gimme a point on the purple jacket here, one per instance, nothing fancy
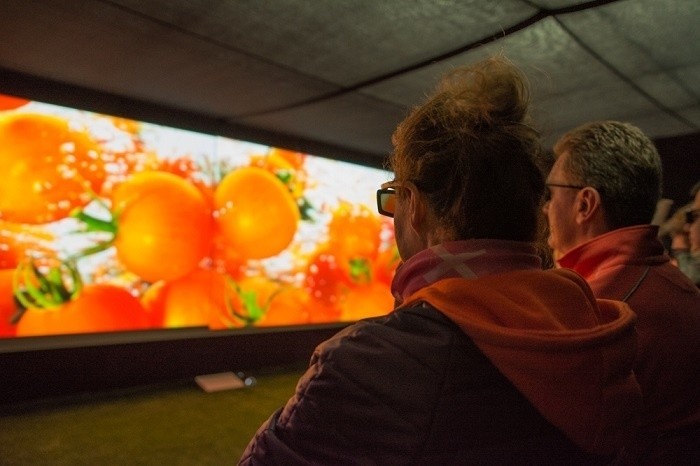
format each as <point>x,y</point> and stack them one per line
<point>630,264</point>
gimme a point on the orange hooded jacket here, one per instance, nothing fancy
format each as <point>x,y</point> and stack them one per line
<point>569,354</point>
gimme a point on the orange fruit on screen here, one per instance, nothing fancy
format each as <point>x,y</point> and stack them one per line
<point>98,308</point>
<point>189,301</point>
<point>286,165</point>
<point>164,225</point>
<point>9,255</point>
<point>255,212</point>
<point>271,162</point>
<point>354,233</point>
<point>384,267</point>
<point>326,282</point>
<point>370,300</point>
<point>126,124</point>
<point>8,308</point>
<point>325,279</point>
<point>18,240</point>
<point>9,102</point>
<point>225,259</point>
<point>262,301</point>
<point>247,299</point>
<point>289,306</point>
<point>294,159</point>
<point>49,168</point>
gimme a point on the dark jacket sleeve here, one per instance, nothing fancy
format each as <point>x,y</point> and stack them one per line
<point>268,448</point>
<point>358,403</point>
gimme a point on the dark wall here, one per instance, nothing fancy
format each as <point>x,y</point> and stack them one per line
<point>49,373</point>
<point>681,163</point>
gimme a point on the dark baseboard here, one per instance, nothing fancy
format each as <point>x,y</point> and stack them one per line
<point>29,375</point>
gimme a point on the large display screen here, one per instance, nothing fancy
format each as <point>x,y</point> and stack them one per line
<point>111,225</point>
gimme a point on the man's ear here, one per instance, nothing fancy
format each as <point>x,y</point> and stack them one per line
<point>588,204</point>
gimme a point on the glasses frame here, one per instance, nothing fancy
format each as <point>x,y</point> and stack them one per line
<point>548,193</point>
<point>691,216</point>
<point>386,189</point>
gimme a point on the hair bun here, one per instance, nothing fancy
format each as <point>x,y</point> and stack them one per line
<point>491,93</point>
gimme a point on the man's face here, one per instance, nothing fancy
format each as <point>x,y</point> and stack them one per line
<point>694,228</point>
<point>560,209</point>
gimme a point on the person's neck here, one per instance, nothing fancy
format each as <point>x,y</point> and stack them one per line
<point>592,228</point>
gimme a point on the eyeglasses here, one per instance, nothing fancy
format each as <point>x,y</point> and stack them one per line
<point>691,216</point>
<point>548,192</point>
<point>386,198</point>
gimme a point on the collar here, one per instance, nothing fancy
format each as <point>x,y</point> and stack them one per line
<point>635,245</point>
<point>462,259</point>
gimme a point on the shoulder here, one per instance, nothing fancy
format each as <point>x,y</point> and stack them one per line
<point>651,282</point>
<point>421,321</point>
<point>400,361</point>
<point>415,336</point>
<point>675,277</point>
<point>668,294</point>
<point>376,376</point>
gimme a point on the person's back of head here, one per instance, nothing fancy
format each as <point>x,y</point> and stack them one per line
<point>471,151</point>
<point>621,163</point>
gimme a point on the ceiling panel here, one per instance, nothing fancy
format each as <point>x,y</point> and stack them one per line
<point>641,35</point>
<point>343,42</point>
<point>663,124</point>
<point>341,75</point>
<point>551,60</point>
<point>691,114</point>
<point>351,120</point>
<point>557,4</point>
<point>652,45</point>
<point>99,46</point>
<point>612,101</point>
<point>689,76</point>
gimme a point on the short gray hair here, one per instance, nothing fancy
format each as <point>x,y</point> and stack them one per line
<point>622,163</point>
<point>694,190</point>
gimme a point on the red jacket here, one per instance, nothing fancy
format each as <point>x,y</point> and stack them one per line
<point>630,265</point>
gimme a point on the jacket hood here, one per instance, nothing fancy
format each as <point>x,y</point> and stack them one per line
<point>570,354</point>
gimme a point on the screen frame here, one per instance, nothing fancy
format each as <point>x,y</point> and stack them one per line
<point>60,365</point>
<point>35,375</point>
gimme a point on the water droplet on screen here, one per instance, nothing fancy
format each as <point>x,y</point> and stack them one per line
<point>65,171</point>
<point>67,147</point>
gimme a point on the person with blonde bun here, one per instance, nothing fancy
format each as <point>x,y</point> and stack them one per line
<point>487,358</point>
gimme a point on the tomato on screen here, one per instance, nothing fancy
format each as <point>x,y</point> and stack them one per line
<point>167,228</point>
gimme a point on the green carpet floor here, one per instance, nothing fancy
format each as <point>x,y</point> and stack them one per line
<point>177,424</point>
